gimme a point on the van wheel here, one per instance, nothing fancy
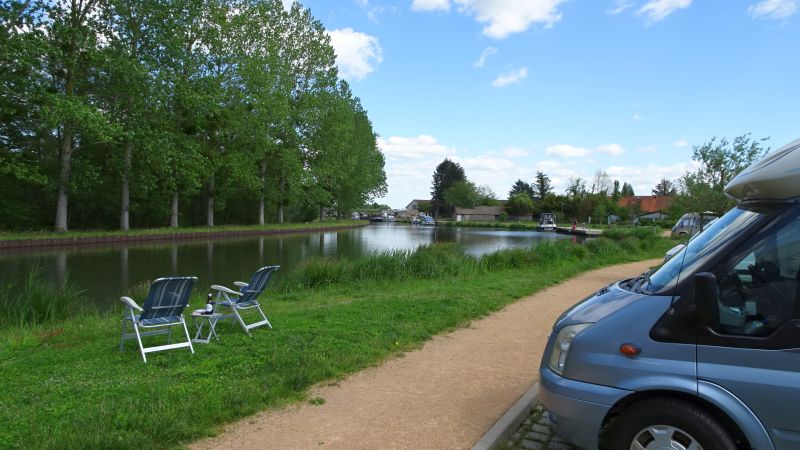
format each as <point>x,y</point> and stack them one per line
<point>666,423</point>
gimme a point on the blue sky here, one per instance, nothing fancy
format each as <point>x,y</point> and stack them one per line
<point>509,87</point>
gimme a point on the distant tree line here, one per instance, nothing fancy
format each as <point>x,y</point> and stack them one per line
<point>175,112</point>
<point>595,200</point>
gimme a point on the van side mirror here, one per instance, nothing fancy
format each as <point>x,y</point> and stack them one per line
<point>706,298</point>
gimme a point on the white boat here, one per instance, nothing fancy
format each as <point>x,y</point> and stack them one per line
<point>547,222</point>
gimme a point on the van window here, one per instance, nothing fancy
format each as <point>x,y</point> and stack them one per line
<point>698,250</point>
<point>759,285</point>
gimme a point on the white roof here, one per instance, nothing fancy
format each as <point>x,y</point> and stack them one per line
<point>773,177</point>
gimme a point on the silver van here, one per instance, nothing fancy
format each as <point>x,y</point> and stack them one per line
<point>702,353</point>
<point>691,223</point>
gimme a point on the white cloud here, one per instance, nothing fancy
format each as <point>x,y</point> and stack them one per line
<point>487,52</point>
<point>773,9</point>
<point>513,77</point>
<point>566,151</point>
<point>417,147</point>
<point>680,143</point>
<point>637,117</point>
<point>357,54</point>
<point>430,5</point>
<point>644,178</point>
<point>497,173</point>
<point>515,152</point>
<point>611,149</point>
<point>621,6</point>
<point>571,151</point>
<point>656,10</point>
<point>505,17</point>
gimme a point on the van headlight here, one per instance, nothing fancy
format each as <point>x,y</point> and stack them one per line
<point>558,355</point>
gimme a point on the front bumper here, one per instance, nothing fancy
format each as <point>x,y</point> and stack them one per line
<point>577,409</point>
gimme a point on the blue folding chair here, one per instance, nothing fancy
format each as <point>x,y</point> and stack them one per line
<point>162,310</point>
<point>246,297</point>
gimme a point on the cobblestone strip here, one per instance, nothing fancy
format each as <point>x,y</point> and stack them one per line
<point>535,433</point>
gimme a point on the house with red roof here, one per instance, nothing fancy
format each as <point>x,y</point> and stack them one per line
<point>647,207</point>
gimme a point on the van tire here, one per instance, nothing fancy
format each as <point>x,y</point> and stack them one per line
<point>690,420</point>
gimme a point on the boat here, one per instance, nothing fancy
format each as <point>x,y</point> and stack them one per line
<point>376,219</point>
<point>547,222</point>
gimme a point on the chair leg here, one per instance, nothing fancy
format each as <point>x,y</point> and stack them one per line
<point>265,317</point>
<point>241,321</point>
<point>188,339</point>
<point>139,339</point>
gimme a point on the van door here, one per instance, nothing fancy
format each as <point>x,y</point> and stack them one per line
<point>754,350</point>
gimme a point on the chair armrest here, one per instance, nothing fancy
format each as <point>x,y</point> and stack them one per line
<point>240,283</point>
<point>131,304</point>
<point>217,287</point>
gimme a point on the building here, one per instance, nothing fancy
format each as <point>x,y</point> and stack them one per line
<point>477,214</point>
<point>647,207</point>
<point>417,206</point>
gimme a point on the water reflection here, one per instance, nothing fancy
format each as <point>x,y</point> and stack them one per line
<point>106,272</point>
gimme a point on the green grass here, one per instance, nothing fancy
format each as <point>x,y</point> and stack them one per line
<point>159,231</point>
<point>66,385</point>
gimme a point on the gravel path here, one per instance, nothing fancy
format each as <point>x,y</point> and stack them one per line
<point>445,395</point>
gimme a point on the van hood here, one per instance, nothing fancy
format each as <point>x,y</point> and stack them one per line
<point>602,303</point>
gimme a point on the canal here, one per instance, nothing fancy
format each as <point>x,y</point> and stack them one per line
<point>107,272</point>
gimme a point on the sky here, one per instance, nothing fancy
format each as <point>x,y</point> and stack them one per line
<point>568,87</point>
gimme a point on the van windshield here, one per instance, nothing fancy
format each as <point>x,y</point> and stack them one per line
<point>703,246</point>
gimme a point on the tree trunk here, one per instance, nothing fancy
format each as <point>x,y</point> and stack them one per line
<point>263,188</point>
<point>63,180</point>
<point>283,195</point>
<point>210,206</point>
<point>173,214</point>
<point>321,213</point>
<point>124,216</point>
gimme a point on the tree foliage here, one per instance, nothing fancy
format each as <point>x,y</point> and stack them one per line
<point>664,188</point>
<point>143,110</point>
<point>541,186</point>
<point>446,174</point>
<point>720,161</point>
<point>521,187</point>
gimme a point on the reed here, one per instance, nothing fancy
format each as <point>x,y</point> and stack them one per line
<point>36,302</point>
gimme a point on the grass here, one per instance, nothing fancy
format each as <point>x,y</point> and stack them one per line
<point>159,231</point>
<point>66,385</point>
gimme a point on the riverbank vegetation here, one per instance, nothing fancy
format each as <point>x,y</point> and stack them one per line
<point>274,227</point>
<point>331,319</point>
<point>123,113</point>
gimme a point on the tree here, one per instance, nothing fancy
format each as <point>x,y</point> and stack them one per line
<point>541,186</point>
<point>463,194</point>
<point>521,187</point>
<point>519,204</point>
<point>446,174</point>
<point>720,161</point>
<point>485,195</point>
<point>664,188</point>
<point>615,194</point>
<point>72,31</point>
<point>627,190</point>
<point>600,183</point>
<point>576,187</point>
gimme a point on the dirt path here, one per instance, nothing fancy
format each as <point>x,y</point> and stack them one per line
<point>445,395</point>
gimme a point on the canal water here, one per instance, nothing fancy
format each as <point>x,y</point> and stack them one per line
<point>107,272</point>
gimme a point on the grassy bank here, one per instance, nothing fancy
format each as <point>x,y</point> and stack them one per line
<point>161,231</point>
<point>533,226</point>
<point>66,385</point>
